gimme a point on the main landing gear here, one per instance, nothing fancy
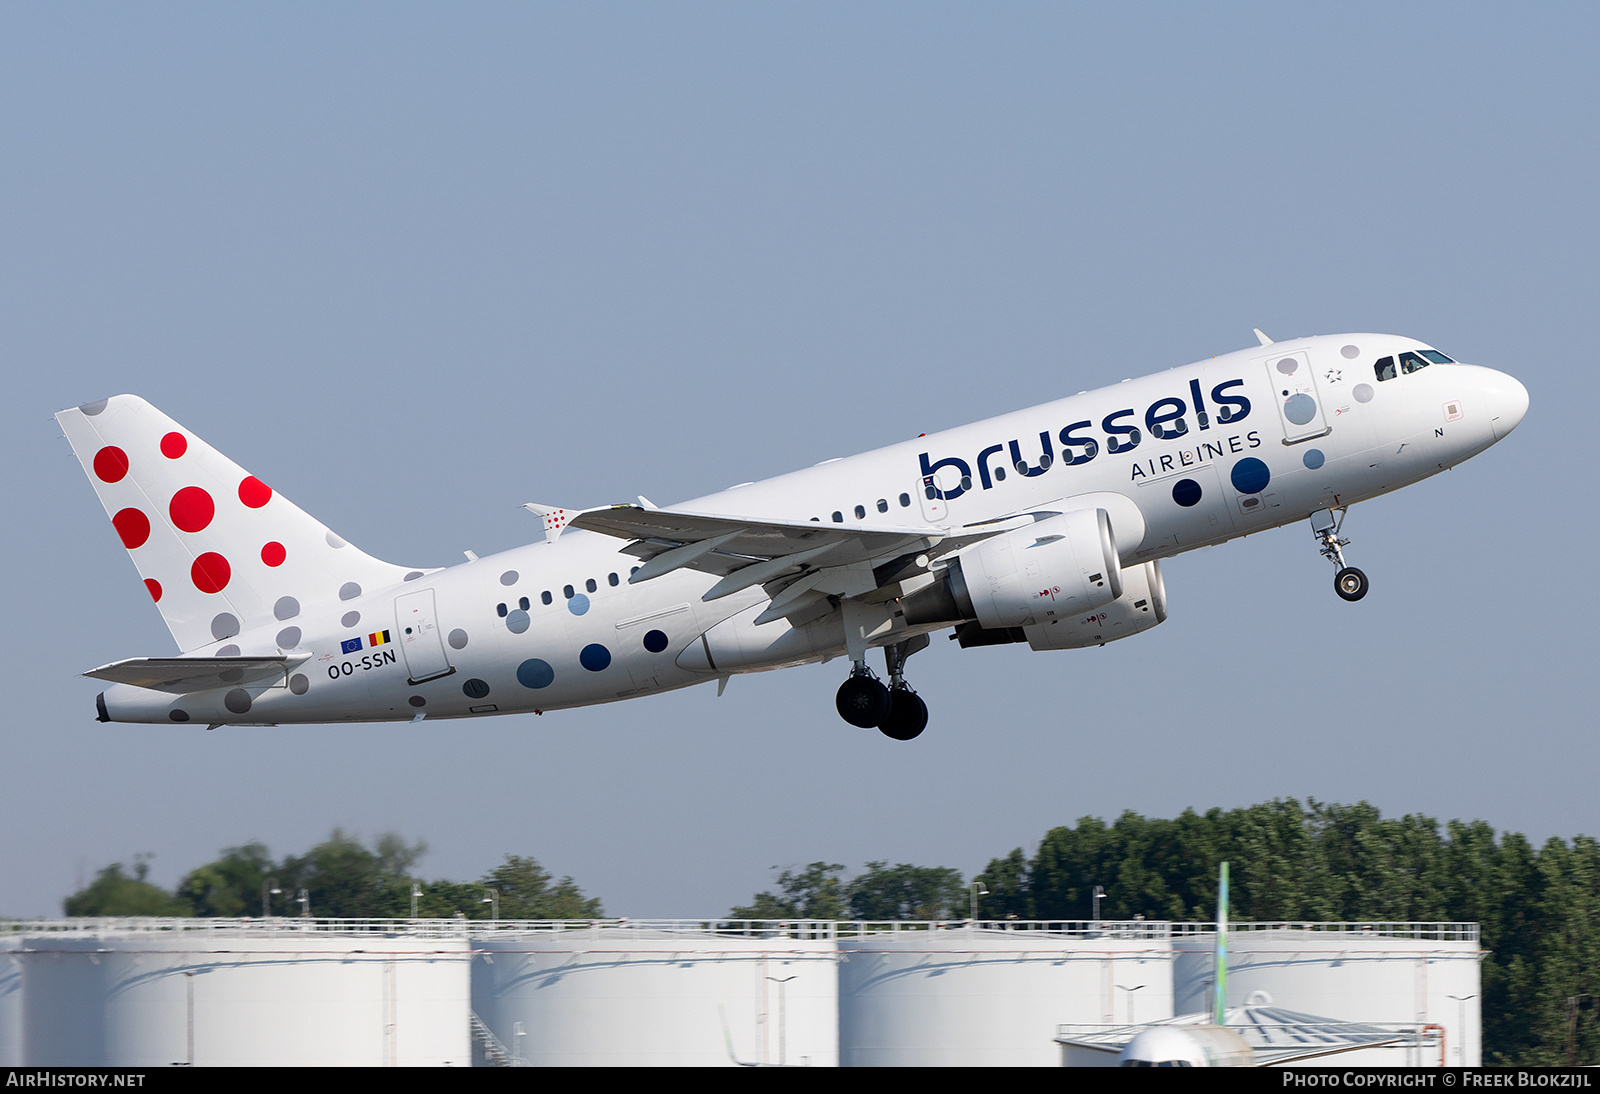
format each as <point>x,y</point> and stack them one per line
<point>896,710</point>
<point>1349,582</point>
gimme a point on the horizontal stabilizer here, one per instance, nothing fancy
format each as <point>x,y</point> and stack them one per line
<point>185,674</point>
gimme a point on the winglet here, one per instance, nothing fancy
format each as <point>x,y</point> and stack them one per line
<point>555,520</point>
<point>1265,341</point>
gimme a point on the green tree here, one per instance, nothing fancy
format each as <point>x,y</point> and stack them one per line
<point>526,893</point>
<point>231,885</point>
<point>345,880</point>
<point>813,893</point>
<point>1007,881</point>
<point>907,892</point>
<point>113,892</point>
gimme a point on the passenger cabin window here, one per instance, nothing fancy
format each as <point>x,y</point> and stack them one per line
<point>590,585</point>
<point>861,512</point>
<point>611,579</point>
<point>500,609</point>
<point>1412,362</point>
<point>905,501</point>
<point>838,517</point>
<point>523,603</point>
<point>883,505</point>
<point>546,597</point>
<point>567,591</point>
<point>1384,368</point>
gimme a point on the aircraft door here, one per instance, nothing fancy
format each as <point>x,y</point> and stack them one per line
<point>420,639</point>
<point>931,494</point>
<point>1299,405</point>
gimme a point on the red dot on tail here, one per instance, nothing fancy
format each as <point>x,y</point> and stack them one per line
<point>273,554</point>
<point>254,493</point>
<point>174,445</point>
<point>111,463</point>
<point>155,588</point>
<point>192,509</point>
<point>133,526</point>
<point>210,572</point>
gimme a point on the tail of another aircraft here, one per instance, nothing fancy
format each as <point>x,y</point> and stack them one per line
<point>220,552</point>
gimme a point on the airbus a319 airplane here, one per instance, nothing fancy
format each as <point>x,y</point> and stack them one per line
<point>1045,526</point>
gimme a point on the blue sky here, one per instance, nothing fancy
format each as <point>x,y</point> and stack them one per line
<point>414,265</point>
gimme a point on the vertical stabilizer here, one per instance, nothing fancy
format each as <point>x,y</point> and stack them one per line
<point>220,552</point>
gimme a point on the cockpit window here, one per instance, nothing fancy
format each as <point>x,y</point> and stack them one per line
<point>1436,357</point>
<point>1411,362</point>
<point>1384,368</point>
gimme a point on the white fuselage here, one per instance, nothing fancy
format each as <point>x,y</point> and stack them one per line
<point>1203,453</point>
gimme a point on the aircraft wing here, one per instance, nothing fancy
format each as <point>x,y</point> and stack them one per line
<point>742,539</point>
<point>185,674</point>
<point>800,562</point>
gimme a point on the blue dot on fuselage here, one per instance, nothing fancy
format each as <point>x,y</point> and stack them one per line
<point>578,604</point>
<point>655,641</point>
<point>1250,476</point>
<point>534,673</point>
<point>594,657</point>
<point>1186,492</point>
<point>1314,458</point>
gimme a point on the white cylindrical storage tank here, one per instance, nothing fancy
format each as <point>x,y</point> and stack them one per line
<point>10,1004</point>
<point>1415,973</point>
<point>658,994</point>
<point>983,997</point>
<point>222,993</point>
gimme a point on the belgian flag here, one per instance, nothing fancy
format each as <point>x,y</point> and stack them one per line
<point>378,638</point>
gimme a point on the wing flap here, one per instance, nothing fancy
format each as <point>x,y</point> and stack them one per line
<point>186,674</point>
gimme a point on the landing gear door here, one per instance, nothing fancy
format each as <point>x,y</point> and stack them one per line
<point>1299,405</point>
<point>420,639</point>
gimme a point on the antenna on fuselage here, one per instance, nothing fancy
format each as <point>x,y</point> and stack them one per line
<point>1265,341</point>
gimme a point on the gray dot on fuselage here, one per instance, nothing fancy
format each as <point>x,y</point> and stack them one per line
<point>412,576</point>
<point>287,607</point>
<point>1351,352</point>
<point>1362,392</point>
<point>231,676</point>
<point>333,541</point>
<point>1288,365</point>
<point>509,577</point>
<point>1300,408</point>
<point>349,590</point>
<point>350,619</point>
<point>517,621</point>
<point>288,638</point>
<point>94,408</point>
<point>237,700</point>
<point>230,650</point>
<point>225,625</point>
<point>458,639</point>
<point>299,684</point>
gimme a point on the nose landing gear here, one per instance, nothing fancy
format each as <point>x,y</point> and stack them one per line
<point>1350,583</point>
<point>896,710</point>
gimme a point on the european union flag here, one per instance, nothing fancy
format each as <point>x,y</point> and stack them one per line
<point>351,646</point>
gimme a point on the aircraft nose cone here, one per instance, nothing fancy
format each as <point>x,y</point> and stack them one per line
<point>1509,402</point>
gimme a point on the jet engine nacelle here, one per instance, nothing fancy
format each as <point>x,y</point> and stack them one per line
<point>1056,568</point>
<point>1142,605</point>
